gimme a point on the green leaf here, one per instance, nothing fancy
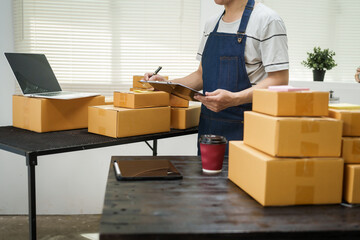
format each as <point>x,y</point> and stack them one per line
<point>320,59</point>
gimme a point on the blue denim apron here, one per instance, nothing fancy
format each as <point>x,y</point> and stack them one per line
<point>223,66</point>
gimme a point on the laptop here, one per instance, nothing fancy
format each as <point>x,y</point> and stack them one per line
<point>37,79</point>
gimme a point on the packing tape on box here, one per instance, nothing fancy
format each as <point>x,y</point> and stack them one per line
<point>300,107</point>
<point>305,168</point>
<point>310,126</point>
<point>304,193</point>
<point>309,149</point>
<point>26,111</point>
<point>122,98</point>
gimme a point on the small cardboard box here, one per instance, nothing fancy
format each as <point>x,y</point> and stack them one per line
<point>45,115</point>
<point>293,136</point>
<point>285,181</point>
<point>183,118</point>
<point>351,149</point>
<point>304,103</point>
<point>351,120</point>
<point>124,122</point>
<point>352,183</point>
<point>141,99</point>
<point>137,84</point>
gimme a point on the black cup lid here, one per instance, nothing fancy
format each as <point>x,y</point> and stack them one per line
<point>212,139</point>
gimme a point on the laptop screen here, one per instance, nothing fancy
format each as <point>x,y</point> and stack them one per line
<point>33,73</point>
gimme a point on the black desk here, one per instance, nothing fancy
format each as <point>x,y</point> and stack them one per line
<point>212,207</point>
<point>31,145</point>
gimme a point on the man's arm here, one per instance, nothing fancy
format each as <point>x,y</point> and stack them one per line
<point>221,99</point>
<point>193,80</point>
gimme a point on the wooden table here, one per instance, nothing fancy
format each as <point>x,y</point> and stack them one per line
<point>31,145</point>
<point>212,207</point>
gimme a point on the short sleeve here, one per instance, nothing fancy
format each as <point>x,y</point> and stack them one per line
<point>274,47</point>
<point>201,46</point>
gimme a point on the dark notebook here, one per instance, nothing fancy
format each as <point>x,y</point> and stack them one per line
<point>145,170</point>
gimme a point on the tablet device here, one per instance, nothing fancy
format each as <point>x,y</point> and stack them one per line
<point>176,89</point>
<point>145,170</point>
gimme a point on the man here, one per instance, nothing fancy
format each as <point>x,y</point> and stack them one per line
<point>243,49</point>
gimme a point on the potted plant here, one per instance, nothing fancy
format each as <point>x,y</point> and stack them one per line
<point>320,60</point>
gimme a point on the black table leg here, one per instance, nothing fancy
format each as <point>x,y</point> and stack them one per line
<point>154,148</point>
<point>31,162</point>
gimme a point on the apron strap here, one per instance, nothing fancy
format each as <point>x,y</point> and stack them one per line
<point>217,24</point>
<point>245,20</point>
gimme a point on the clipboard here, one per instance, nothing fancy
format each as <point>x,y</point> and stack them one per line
<point>176,89</point>
<point>135,170</point>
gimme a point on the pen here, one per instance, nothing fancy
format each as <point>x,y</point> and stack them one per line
<point>156,71</point>
<point>117,169</point>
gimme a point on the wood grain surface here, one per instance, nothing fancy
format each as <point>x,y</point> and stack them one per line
<point>211,207</point>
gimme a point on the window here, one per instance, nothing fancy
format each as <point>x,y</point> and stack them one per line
<point>98,45</point>
<point>332,24</point>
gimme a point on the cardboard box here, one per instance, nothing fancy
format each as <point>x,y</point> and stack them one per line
<point>174,100</point>
<point>45,115</point>
<point>306,103</point>
<point>124,122</point>
<point>293,136</point>
<point>178,102</point>
<point>285,181</point>
<point>182,118</point>
<point>351,149</point>
<point>137,84</point>
<point>351,120</point>
<point>352,183</point>
<point>141,99</point>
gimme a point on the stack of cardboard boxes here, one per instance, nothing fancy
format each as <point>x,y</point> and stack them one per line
<point>183,116</point>
<point>142,111</point>
<point>132,114</point>
<point>350,115</point>
<point>291,151</point>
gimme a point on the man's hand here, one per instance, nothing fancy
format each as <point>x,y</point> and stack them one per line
<point>357,75</point>
<point>217,100</point>
<point>151,77</point>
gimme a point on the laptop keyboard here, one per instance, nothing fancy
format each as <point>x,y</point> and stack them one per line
<point>54,93</point>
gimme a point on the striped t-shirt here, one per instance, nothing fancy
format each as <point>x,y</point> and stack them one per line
<point>266,48</point>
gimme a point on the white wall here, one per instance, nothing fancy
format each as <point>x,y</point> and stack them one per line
<point>6,77</point>
<point>208,9</point>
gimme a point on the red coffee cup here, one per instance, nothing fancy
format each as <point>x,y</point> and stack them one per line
<point>212,148</point>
